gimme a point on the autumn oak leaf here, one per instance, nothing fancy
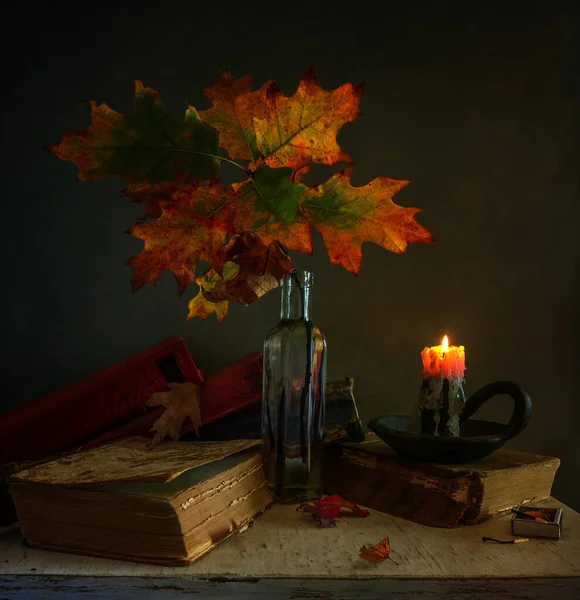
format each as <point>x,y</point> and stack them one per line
<point>151,197</point>
<point>336,502</point>
<point>202,306</point>
<point>234,105</point>
<point>193,226</point>
<point>260,269</point>
<point>348,216</point>
<point>329,508</point>
<point>250,270</point>
<point>145,147</point>
<point>268,205</point>
<point>377,553</point>
<point>301,129</point>
<point>325,517</point>
<point>180,402</point>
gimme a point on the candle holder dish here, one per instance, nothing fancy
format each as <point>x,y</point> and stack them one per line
<point>476,440</point>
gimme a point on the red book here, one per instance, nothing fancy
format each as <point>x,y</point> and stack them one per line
<point>108,404</point>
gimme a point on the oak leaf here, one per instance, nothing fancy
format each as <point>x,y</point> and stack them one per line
<point>336,502</point>
<point>250,271</point>
<point>268,206</point>
<point>325,517</point>
<point>145,147</point>
<point>234,105</point>
<point>193,226</point>
<point>151,197</point>
<point>377,553</point>
<point>181,402</point>
<point>202,305</point>
<point>348,216</point>
<point>327,509</point>
<point>299,130</point>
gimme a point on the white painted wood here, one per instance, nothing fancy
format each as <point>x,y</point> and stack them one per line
<point>284,543</point>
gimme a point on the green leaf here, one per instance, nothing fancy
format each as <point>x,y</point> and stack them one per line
<point>268,205</point>
<point>146,147</point>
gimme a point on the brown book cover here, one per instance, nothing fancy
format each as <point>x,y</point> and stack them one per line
<point>167,505</point>
<point>373,475</point>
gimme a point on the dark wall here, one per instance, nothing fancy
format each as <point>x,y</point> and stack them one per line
<point>475,103</point>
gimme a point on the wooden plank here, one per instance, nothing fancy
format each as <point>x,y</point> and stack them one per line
<point>127,588</point>
<point>284,543</point>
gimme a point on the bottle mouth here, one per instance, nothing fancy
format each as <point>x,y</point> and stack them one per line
<point>297,279</point>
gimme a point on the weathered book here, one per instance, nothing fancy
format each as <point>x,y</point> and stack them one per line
<point>168,505</point>
<point>371,474</point>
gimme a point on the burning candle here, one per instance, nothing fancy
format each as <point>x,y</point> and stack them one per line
<point>444,360</point>
<point>441,398</point>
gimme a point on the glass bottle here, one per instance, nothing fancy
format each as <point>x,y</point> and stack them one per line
<point>293,397</point>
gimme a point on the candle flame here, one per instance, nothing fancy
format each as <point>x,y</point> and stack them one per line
<point>445,344</point>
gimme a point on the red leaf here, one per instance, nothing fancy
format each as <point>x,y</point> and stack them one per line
<point>377,553</point>
<point>325,516</point>
<point>335,502</point>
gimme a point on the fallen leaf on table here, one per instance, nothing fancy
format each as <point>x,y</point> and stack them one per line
<point>325,516</point>
<point>326,510</point>
<point>377,553</point>
<point>335,501</point>
<point>181,401</point>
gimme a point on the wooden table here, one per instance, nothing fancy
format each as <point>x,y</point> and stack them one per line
<point>284,555</point>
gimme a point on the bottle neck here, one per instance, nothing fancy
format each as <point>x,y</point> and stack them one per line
<point>296,292</point>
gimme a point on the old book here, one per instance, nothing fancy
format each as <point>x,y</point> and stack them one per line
<point>371,474</point>
<point>167,505</point>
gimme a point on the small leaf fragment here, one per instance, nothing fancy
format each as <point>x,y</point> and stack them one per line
<point>181,402</point>
<point>325,517</point>
<point>202,306</point>
<point>336,502</point>
<point>250,271</point>
<point>377,553</point>
<point>328,509</point>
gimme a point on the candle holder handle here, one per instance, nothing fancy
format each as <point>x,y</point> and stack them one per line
<point>522,412</point>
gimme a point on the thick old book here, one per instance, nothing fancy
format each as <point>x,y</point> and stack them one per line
<point>371,474</point>
<point>167,505</point>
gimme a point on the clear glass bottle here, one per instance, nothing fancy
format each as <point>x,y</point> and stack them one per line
<point>293,397</point>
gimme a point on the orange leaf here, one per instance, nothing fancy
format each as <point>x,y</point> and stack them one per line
<point>336,502</point>
<point>193,226</point>
<point>231,114</point>
<point>348,216</point>
<point>180,402</point>
<point>377,553</point>
<point>302,129</point>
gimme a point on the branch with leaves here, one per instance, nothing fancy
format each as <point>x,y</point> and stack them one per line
<point>244,230</point>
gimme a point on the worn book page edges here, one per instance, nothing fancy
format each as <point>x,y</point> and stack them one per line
<point>130,459</point>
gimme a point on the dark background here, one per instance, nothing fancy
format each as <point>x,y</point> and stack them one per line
<point>475,103</point>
